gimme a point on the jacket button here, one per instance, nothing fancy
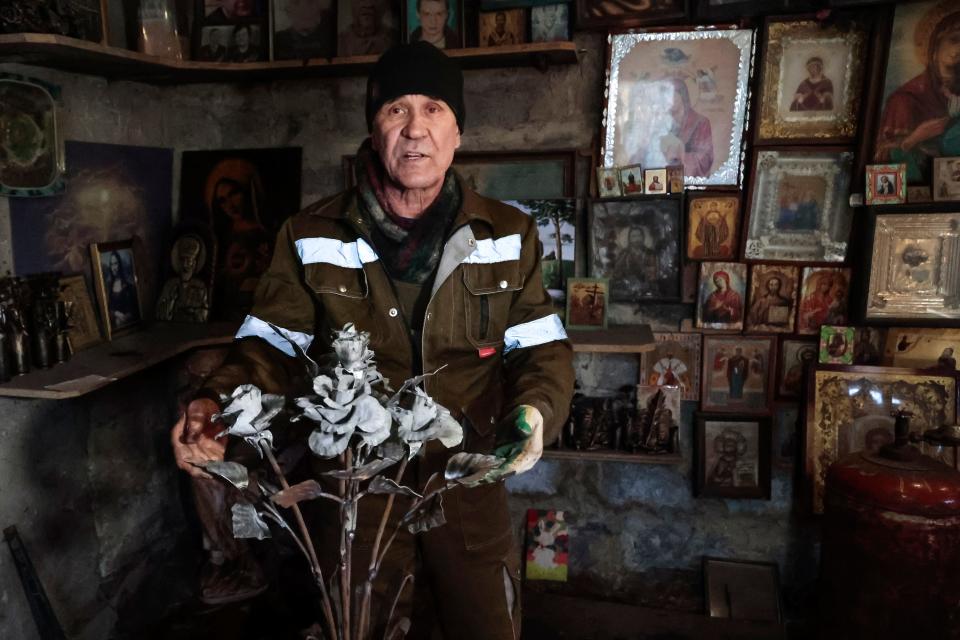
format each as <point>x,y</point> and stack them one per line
<point>471,242</point>
<point>393,312</point>
<point>503,284</point>
<point>343,289</point>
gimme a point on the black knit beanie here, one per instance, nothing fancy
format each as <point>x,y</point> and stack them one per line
<point>418,68</point>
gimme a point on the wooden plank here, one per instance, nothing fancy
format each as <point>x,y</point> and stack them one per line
<point>620,339</point>
<point>613,456</point>
<point>105,363</point>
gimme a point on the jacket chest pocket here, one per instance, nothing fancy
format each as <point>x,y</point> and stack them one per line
<point>488,293</point>
<point>335,285</point>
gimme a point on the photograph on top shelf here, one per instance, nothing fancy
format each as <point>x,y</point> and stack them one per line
<point>557,227</point>
<point>737,373</point>
<point>795,357</point>
<point>439,22</point>
<point>502,28</point>
<point>678,98</point>
<point>917,123</point>
<point>224,11</point>
<point>550,23</point>
<point>736,9</point>
<point>587,300</point>
<point>946,178</point>
<point>836,345</point>
<point>786,436</point>
<point>675,179</point>
<point>885,184</point>
<point>631,180</point>
<point>773,298</point>
<point>32,162</point>
<point>366,27</point>
<point>82,19</point>
<point>811,80</point>
<point>84,331</point>
<point>185,296</point>
<point>636,245</point>
<point>723,291</point>
<point>548,546</point>
<point>304,29</point>
<point>237,43</point>
<point>733,456</point>
<point>915,272</point>
<point>603,14</point>
<point>655,181</point>
<point>850,411</point>
<point>713,225</point>
<point>656,426</point>
<point>608,182</point>
<point>799,209</point>
<point>922,348</point>
<point>117,285</point>
<point>868,345</point>
<point>823,299</point>
<point>674,361</point>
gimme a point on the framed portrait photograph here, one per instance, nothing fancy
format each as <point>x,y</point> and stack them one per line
<point>557,227</point>
<point>502,28</point>
<point>737,373</point>
<point>916,123</point>
<point>868,346</point>
<point>631,180</point>
<point>678,98</point>
<point>82,19</point>
<point>304,29</point>
<point>655,181</point>
<point>366,27</point>
<point>713,225</point>
<point>922,348</point>
<point>674,361</point>
<point>742,590</point>
<point>602,14</point>
<point>439,22</point>
<point>675,179</point>
<point>836,345</point>
<point>824,299</point>
<point>83,329</point>
<point>799,208</point>
<point>635,243</point>
<point>587,300</point>
<point>921,193</point>
<point>224,11</point>
<point>550,23</point>
<point>721,295</point>
<point>795,357</point>
<point>33,166</point>
<point>811,81</point>
<point>733,456</point>
<point>116,280</point>
<point>608,182</point>
<point>849,410</point>
<point>232,43</point>
<point>773,298</point>
<point>786,423</point>
<point>915,272</point>
<point>885,184</point>
<point>946,178</point>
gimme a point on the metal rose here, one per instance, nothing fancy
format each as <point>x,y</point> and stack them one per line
<point>249,414</point>
<point>350,346</point>
<point>424,420</point>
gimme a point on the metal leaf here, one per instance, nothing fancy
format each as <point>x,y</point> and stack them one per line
<point>233,472</point>
<point>470,468</point>
<point>364,472</point>
<point>328,445</point>
<point>306,490</point>
<point>426,515</point>
<point>387,486</point>
<point>247,523</point>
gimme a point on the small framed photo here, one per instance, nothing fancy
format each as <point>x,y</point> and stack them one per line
<point>83,329</point>
<point>439,22</point>
<point>723,288</point>
<point>304,29</point>
<point>737,373</point>
<point>655,181</point>
<point>742,590</point>
<point>795,357</point>
<point>115,266</point>
<point>836,345</point>
<point>674,361</point>
<point>713,225</point>
<point>366,27</point>
<point>631,180</point>
<point>919,193</point>
<point>886,184</point>
<point>733,456</point>
<point>550,23</point>
<point>502,28</point>
<point>675,178</point>
<point>946,178</point>
<point>824,298</point>
<point>868,344</point>
<point>587,300</point>
<point>234,30</point>
<point>773,298</point>
<point>608,182</point>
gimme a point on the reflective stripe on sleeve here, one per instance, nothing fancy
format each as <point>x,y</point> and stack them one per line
<point>253,326</point>
<point>499,250</point>
<point>349,255</point>
<point>533,333</point>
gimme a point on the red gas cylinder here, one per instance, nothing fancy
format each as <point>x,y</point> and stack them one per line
<point>890,558</point>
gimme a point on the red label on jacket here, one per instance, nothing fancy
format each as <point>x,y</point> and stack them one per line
<point>486,352</point>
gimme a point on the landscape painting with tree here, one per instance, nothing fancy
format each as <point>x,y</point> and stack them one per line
<point>557,226</point>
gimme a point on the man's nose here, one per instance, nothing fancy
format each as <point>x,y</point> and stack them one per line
<point>416,126</point>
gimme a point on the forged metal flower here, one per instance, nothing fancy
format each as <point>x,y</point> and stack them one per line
<point>351,347</point>
<point>249,414</point>
<point>424,420</point>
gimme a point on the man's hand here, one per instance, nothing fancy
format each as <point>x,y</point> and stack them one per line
<point>192,437</point>
<point>519,443</point>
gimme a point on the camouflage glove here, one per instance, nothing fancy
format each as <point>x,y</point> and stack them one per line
<point>519,442</point>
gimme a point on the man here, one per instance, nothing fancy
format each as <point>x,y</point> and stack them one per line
<point>310,34</point>
<point>445,281</point>
<point>771,308</point>
<point>500,36</point>
<point>366,33</point>
<point>920,119</point>
<point>214,50</point>
<point>433,15</point>
<point>244,49</point>
<point>884,185</point>
<point>712,231</point>
<point>815,93</point>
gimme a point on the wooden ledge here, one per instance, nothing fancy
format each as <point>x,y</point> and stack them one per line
<point>613,456</point>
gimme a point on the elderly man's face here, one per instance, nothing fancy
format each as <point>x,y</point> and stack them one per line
<point>433,17</point>
<point>416,137</point>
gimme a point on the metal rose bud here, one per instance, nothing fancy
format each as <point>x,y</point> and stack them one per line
<point>350,346</point>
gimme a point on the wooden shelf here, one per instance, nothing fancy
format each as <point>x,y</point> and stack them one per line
<point>79,56</point>
<point>98,366</point>
<point>613,456</point>
<point>623,339</point>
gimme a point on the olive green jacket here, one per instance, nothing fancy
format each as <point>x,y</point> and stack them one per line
<point>489,327</point>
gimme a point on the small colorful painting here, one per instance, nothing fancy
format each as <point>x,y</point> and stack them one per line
<point>557,226</point>
<point>836,345</point>
<point>723,287</point>
<point>823,299</point>
<point>737,373</point>
<point>548,546</point>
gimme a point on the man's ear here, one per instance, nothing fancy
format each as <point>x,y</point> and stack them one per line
<point>457,146</point>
